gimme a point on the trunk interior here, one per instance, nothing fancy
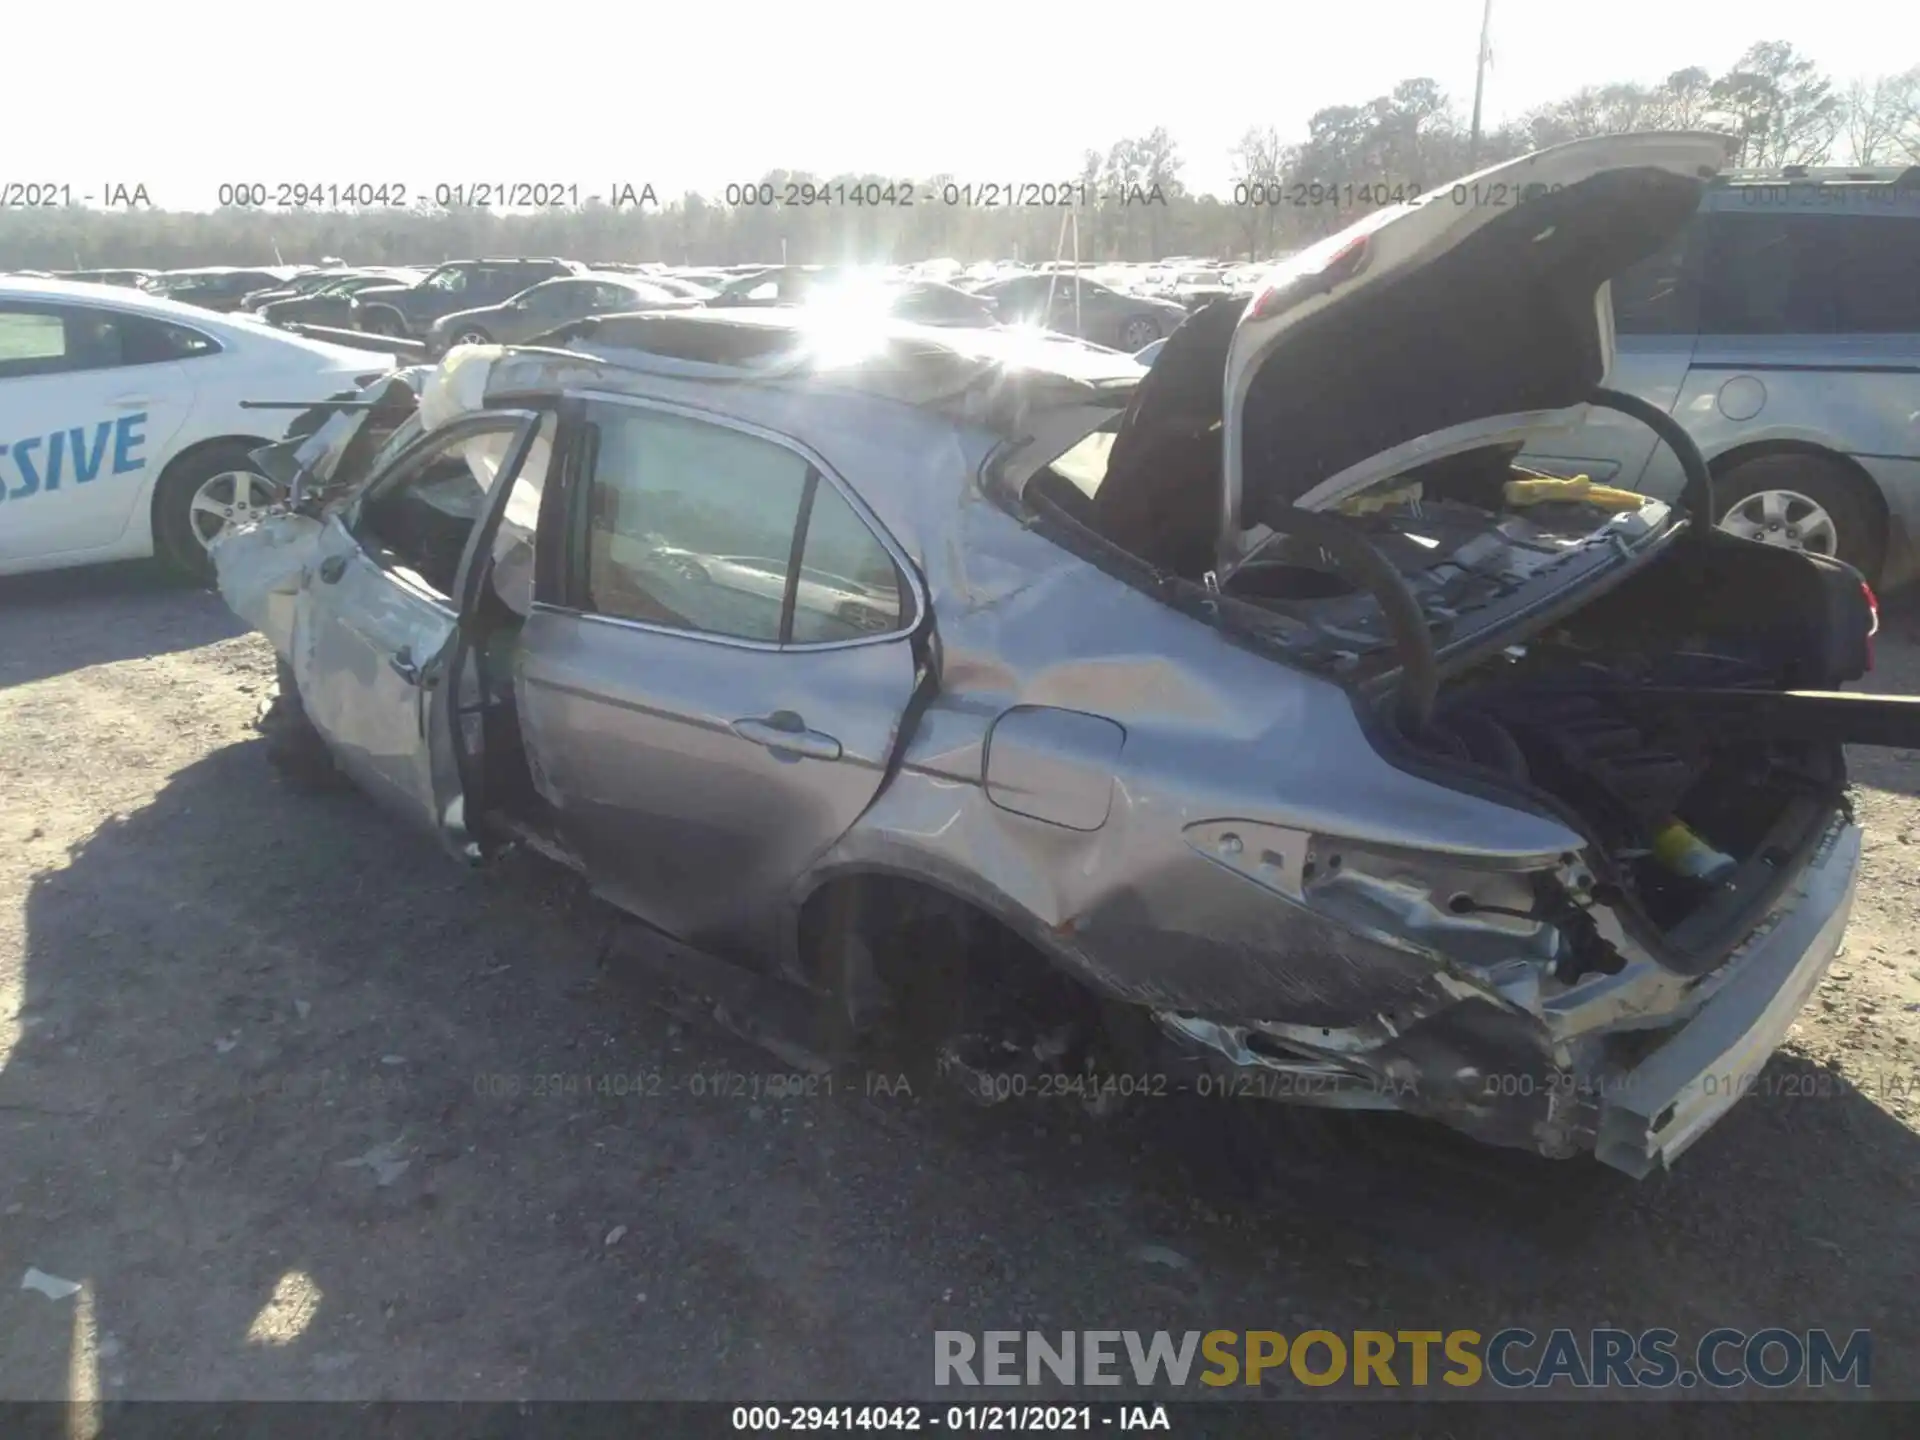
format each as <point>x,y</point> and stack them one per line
<point>1627,716</point>
<point>1641,715</point>
<point>1699,810</point>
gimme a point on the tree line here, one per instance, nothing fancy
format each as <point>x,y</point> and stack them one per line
<point>1128,202</point>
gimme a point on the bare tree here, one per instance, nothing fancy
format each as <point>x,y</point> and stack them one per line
<point>1780,109</point>
<point>1683,101</point>
<point>1870,120</point>
<point>1902,99</point>
<point>1160,166</point>
<point>1260,162</point>
<point>1778,106</point>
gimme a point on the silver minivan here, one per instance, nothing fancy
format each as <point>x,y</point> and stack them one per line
<point>1782,329</point>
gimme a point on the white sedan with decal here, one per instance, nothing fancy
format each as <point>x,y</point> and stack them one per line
<point>122,433</point>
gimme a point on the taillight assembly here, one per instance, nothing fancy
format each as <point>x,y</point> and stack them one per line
<point>1346,262</point>
<point>1873,619</point>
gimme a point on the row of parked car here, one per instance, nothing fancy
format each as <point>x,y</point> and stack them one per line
<point>1781,325</point>
<point>162,373</point>
<point>515,299</point>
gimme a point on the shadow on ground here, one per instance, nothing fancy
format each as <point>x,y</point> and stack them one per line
<point>313,1112</point>
<point>77,618</point>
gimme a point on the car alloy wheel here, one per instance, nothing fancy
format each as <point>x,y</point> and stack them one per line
<point>230,498</point>
<point>1138,333</point>
<point>472,337</point>
<point>1785,518</point>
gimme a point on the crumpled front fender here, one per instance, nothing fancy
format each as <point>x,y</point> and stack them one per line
<point>260,568</point>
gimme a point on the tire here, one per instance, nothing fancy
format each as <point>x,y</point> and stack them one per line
<point>1820,506</point>
<point>383,321</point>
<point>1138,333</point>
<point>188,493</point>
<point>294,748</point>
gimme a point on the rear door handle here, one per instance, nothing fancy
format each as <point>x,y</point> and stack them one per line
<point>784,732</point>
<point>332,568</point>
<point>128,402</point>
<point>402,665</point>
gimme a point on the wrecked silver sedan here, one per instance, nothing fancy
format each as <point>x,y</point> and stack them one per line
<point>1262,697</point>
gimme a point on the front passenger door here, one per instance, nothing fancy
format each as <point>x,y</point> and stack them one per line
<point>378,644</point>
<point>712,694</point>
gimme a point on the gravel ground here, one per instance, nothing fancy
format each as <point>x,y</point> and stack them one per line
<point>270,1094</point>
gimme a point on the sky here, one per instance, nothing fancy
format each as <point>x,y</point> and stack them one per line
<point>603,93</point>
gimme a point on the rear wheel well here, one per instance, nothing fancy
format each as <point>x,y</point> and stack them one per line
<point>878,909</point>
<point>879,946</point>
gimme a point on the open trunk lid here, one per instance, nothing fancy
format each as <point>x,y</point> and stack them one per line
<point>1472,316</point>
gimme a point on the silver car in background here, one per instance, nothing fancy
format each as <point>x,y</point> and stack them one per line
<point>1782,328</point>
<point>1257,713</point>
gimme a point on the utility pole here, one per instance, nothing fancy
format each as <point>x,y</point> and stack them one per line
<point>1479,87</point>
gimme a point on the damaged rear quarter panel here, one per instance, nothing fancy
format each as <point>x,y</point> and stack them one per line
<point>1212,731</point>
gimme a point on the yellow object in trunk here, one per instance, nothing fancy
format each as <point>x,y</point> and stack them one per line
<point>1580,490</point>
<point>1373,501</point>
<point>1685,853</point>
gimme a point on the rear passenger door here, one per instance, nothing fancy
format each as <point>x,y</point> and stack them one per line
<point>1656,311</point>
<point>1810,323</point>
<point>712,686</point>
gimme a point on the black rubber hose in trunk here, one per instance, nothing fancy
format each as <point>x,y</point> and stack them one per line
<point>1698,496</point>
<point>1354,556</point>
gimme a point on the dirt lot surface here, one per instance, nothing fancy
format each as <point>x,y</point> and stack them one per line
<point>271,1094</point>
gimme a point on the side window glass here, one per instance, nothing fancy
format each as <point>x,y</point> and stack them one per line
<point>690,525</point>
<point>152,342</point>
<point>419,521</point>
<point>849,585</point>
<point>32,342</point>
<point>1879,274</point>
<point>1769,274</point>
<point>1658,296</point>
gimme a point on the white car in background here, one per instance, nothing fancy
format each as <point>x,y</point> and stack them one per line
<point>121,429</point>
